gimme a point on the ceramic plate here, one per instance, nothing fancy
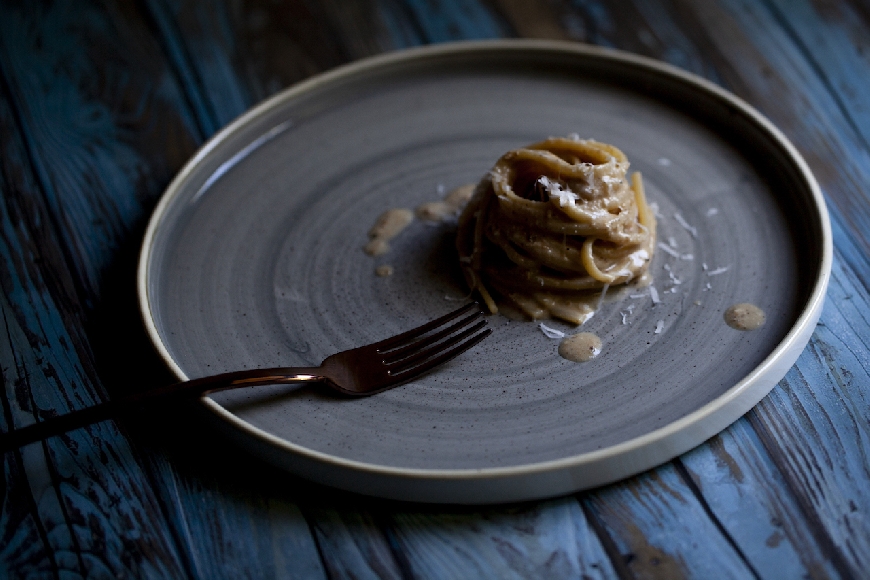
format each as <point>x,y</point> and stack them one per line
<point>254,257</point>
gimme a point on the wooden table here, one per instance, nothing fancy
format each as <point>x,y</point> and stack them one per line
<point>101,102</point>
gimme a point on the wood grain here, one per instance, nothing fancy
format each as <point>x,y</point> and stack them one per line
<point>759,61</point>
<point>548,539</point>
<point>654,521</point>
<point>819,424</point>
<point>102,102</point>
<point>738,480</point>
<point>102,141</point>
<point>83,499</point>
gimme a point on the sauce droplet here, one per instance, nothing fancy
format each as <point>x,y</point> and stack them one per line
<point>580,347</point>
<point>388,226</point>
<point>384,271</point>
<point>744,316</point>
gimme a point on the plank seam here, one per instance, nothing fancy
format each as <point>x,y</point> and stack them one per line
<point>399,558</point>
<point>178,60</point>
<point>802,48</point>
<point>413,22</point>
<point>313,532</point>
<point>702,501</point>
<point>31,502</point>
<point>817,528</point>
<point>617,559</point>
<point>40,180</point>
<point>43,184</point>
<point>182,547</point>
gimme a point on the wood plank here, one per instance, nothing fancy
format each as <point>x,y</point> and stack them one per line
<point>231,56</point>
<point>351,539</point>
<point>102,506</point>
<point>416,22</point>
<point>235,517</point>
<point>834,38</point>
<point>659,529</point>
<point>532,19</point>
<point>742,487</point>
<point>749,52</point>
<point>98,121</point>
<point>759,60</point>
<point>549,539</point>
<point>78,504</point>
<point>818,428</point>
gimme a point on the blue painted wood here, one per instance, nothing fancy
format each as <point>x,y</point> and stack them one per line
<point>550,539</point>
<point>781,492</point>
<point>88,507</point>
<point>234,519</point>
<point>92,125</point>
<point>229,58</point>
<point>93,503</point>
<point>742,486</point>
<point>832,37</point>
<point>661,530</point>
<point>416,22</point>
<point>352,542</point>
<point>760,62</point>
<point>823,453</point>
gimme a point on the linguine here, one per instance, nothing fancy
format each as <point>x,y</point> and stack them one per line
<point>552,226</point>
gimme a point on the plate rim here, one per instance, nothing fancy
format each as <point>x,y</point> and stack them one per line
<point>530,480</point>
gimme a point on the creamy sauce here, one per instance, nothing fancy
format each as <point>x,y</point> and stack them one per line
<point>384,271</point>
<point>388,226</point>
<point>438,211</point>
<point>552,224</point>
<point>580,347</point>
<point>744,316</point>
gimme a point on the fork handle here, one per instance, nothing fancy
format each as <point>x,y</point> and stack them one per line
<point>137,401</point>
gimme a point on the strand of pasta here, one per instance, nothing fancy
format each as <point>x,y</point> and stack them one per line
<point>548,245</point>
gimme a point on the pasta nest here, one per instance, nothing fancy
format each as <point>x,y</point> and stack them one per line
<point>552,222</point>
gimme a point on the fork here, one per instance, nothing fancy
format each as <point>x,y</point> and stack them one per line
<point>357,372</point>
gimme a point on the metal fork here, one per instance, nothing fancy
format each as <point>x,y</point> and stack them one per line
<point>357,372</point>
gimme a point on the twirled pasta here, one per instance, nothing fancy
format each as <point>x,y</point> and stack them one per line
<point>553,224</point>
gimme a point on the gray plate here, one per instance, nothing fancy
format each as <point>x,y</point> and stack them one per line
<point>254,258</point>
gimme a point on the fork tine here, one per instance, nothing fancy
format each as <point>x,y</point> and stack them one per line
<point>410,372</point>
<point>401,339</point>
<point>395,355</point>
<point>433,350</point>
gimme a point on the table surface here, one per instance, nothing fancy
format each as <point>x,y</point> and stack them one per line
<point>101,102</point>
